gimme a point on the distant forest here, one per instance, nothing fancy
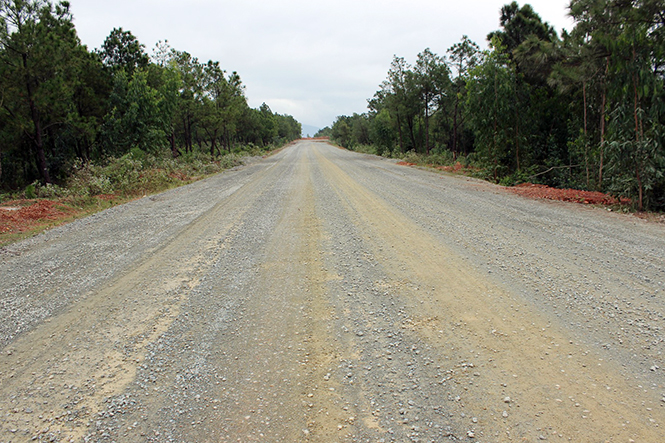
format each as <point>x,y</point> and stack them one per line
<point>62,105</point>
<point>584,109</point>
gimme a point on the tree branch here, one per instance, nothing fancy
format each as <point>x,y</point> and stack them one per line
<point>553,168</point>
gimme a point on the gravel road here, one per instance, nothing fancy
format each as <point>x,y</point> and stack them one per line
<point>325,296</point>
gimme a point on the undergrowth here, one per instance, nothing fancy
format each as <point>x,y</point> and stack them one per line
<point>135,174</point>
<point>434,159</point>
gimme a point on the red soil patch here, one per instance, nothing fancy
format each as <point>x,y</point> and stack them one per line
<point>568,195</point>
<point>457,167</point>
<point>21,215</point>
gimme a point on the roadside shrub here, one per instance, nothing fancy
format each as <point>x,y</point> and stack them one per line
<point>229,161</point>
<point>30,191</point>
<point>125,174</point>
<point>50,191</point>
<point>365,149</point>
<point>88,179</point>
<point>516,178</point>
<point>443,158</point>
<point>138,173</point>
<point>411,157</point>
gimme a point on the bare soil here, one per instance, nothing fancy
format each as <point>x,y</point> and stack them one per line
<point>568,195</point>
<point>21,215</point>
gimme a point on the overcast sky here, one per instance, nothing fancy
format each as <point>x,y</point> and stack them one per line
<point>311,59</point>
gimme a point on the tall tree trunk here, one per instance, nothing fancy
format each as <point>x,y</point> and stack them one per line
<point>638,139</point>
<point>602,124</point>
<point>496,101</point>
<point>586,143</point>
<point>213,143</point>
<point>190,136</point>
<point>409,123</point>
<point>517,141</point>
<point>174,148</point>
<point>427,129</point>
<point>188,133</point>
<point>517,125</point>
<point>38,135</point>
<point>585,105</point>
<point>455,127</point>
<point>399,131</point>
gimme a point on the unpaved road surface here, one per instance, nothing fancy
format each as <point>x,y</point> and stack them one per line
<point>320,295</point>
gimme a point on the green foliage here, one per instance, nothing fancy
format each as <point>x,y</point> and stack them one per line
<point>519,24</point>
<point>136,119</point>
<point>636,162</point>
<point>382,133</point>
<point>122,51</point>
<point>325,132</point>
<point>586,110</point>
<point>491,111</point>
<point>45,85</point>
<point>341,132</point>
<point>62,106</point>
<point>138,173</point>
<point>30,191</point>
<point>366,149</point>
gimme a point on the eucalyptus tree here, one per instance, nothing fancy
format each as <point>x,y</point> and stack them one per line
<point>574,76</point>
<point>636,126</point>
<point>625,52</point>
<point>594,30</point>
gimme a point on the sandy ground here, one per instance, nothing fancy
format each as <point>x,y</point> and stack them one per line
<point>322,295</point>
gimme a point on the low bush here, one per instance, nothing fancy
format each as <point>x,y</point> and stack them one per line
<point>135,173</point>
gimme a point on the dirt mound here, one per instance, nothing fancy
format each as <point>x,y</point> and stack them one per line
<point>568,195</point>
<point>21,215</point>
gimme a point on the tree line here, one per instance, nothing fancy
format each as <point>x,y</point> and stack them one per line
<point>583,109</point>
<point>61,103</point>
